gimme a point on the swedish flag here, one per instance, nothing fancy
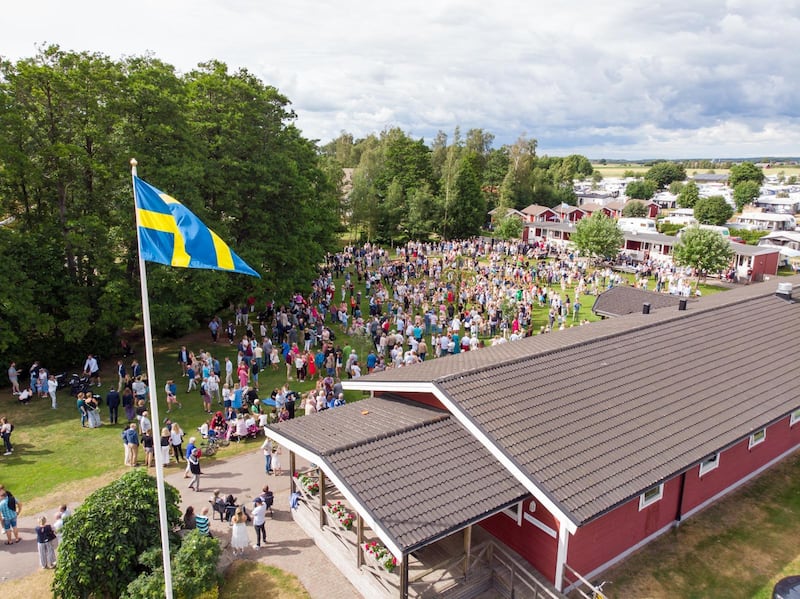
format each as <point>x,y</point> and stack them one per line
<point>169,233</point>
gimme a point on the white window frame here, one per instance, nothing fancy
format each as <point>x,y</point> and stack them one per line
<point>709,464</point>
<point>757,438</point>
<point>645,501</point>
<point>794,418</point>
<point>515,513</point>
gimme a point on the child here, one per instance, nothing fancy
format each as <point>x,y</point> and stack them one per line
<point>276,461</point>
<point>45,535</point>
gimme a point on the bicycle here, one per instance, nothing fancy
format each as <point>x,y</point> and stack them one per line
<point>597,590</point>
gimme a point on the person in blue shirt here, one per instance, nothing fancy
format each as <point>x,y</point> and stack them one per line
<point>372,359</point>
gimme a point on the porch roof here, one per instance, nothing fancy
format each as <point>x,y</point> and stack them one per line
<point>414,470</point>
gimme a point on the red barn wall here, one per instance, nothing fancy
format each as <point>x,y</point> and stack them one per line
<point>737,462</point>
<point>603,540</point>
<point>429,399</point>
<point>532,543</point>
<point>606,537</point>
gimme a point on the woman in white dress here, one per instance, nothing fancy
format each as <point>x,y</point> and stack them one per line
<point>239,537</point>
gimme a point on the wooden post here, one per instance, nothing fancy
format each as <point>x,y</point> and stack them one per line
<point>467,549</point>
<point>321,498</point>
<point>359,541</point>
<point>404,577</point>
<point>292,486</point>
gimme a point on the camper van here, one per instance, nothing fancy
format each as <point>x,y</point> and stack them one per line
<point>680,216</point>
<point>721,230</point>
<point>637,225</point>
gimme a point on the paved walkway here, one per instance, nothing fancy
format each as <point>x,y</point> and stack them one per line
<point>287,548</point>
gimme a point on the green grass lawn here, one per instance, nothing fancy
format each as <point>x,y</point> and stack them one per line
<point>737,548</point>
<point>54,457</point>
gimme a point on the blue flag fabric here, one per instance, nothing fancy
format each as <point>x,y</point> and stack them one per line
<point>169,233</point>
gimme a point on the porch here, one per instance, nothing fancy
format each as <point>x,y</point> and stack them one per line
<point>469,563</point>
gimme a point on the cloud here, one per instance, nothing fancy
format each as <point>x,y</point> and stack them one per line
<point>626,78</point>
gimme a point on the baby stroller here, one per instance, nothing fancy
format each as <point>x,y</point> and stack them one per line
<point>79,384</point>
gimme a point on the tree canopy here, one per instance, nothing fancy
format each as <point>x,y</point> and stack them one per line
<point>664,173</point>
<point>597,236</point>
<point>103,540</point>
<point>509,227</point>
<point>745,192</point>
<point>702,249</point>
<point>713,210</point>
<point>634,209</point>
<point>688,195</point>
<point>640,189</point>
<point>745,171</point>
<point>223,143</point>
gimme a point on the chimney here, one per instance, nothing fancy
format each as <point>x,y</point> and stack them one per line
<point>682,304</point>
<point>646,308</point>
<point>784,291</point>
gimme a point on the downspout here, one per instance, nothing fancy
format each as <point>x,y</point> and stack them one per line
<point>679,513</point>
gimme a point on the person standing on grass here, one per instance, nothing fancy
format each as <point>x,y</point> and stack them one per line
<point>52,387</point>
<point>92,369</point>
<point>112,401</point>
<point>121,373</point>
<point>13,377</point>
<point>6,428</point>
<point>132,441</point>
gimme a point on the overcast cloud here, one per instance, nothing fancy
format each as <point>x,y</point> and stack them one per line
<point>619,79</point>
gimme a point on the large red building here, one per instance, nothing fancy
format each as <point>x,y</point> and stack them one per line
<point>573,448</point>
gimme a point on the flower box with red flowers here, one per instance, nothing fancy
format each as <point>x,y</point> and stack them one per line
<point>380,555</point>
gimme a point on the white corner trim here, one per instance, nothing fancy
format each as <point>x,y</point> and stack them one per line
<point>541,525</point>
<point>357,505</point>
<point>540,496</point>
<point>561,556</point>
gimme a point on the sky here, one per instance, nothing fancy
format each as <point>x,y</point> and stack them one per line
<point>621,79</point>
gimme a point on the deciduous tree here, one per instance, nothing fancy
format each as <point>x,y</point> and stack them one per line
<point>634,209</point>
<point>713,210</point>
<point>688,196</point>
<point>640,189</point>
<point>103,540</point>
<point>745,192</point>
<point>598,236</point>
<point>745,171</point>
<point>704,250</point>
<point>664,173</point>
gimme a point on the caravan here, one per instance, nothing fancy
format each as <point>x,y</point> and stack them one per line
<point>637,225</point>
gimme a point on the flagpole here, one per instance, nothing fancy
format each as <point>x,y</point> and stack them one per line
<point>151,384</point>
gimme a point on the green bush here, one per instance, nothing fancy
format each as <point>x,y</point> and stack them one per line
<point>107,539</point>
<point>194,571</point>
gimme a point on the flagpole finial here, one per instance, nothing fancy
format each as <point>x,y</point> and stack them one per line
<point>133,165</point>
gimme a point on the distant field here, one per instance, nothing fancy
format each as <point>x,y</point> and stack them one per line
<point>617,170</point>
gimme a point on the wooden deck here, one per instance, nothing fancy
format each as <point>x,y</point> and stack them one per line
<point>437,570</point>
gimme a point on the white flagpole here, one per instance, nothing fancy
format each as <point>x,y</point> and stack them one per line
<point>151,383</point>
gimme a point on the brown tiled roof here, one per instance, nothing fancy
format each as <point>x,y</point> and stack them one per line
<point>535,210</point>
<point>621,300</point>
<point>414,469</point>
<point>595,415</point>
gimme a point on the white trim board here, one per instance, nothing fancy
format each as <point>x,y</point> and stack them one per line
<point>320,462</point>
